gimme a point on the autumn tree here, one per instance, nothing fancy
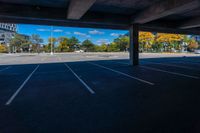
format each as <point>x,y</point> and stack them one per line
<point>63,44</point>
<point>146,39</point>
<point>193,44</point>
<point>169,41</point>
<point>3,48</point>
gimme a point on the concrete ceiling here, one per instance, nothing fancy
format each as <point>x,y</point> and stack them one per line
<point>118,14</point>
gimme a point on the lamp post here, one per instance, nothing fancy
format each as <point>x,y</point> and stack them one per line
<point>51,40</point>
<point>8,45</point>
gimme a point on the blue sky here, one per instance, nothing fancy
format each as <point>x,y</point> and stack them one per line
<point>97,36</point>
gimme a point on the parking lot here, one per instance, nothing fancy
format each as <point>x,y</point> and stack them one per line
<point>99,93</point>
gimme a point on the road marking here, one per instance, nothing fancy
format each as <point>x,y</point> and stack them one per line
<point>5,68</point>
<point>141,80</point>
<point>20,88</point>
<point>88,88</point>
<point>163,64</point>
<point>160,70</point>
<point>169,72</point>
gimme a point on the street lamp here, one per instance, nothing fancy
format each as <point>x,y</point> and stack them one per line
<point>51,40</point>
<point>8,45</point>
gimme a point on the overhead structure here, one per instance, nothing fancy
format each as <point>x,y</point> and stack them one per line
<point>171,16</point>
<point>191,23</point>
<point>165,8</point>
<point>77,8</point>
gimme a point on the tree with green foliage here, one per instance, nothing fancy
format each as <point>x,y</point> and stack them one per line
<point>19,42</point>
<point>36,41</point>
<point>73,44</point>
<point>113,47</point>
<point>122,43</point>
<point>88,46</point>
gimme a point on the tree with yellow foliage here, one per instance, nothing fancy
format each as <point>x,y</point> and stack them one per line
<point>170,41</point>
<point>146,39</point>
<point>3,49</point>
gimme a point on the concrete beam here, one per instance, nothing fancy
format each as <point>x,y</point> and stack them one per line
<point>134,44</point>
<point>165,8</point>
<point>192,23</point>
<point>77,8</point>
<point>168,30</point>
<point>57,16</point>
<point>61,22</point>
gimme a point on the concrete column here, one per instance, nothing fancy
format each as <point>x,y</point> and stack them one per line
<point>134,44</point>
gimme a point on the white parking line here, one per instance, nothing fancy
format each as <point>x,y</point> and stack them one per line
<point>20,88</point>
<point>163,64</point>
<point>124,74</point>
<point>169,72</point>
<point>5,68</point>
<point>88,88</point>
<point>160,70</point>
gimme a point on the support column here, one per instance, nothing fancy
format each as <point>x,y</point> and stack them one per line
<point>134,44</point>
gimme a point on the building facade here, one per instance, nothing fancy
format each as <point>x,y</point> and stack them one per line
<point>7,32</point>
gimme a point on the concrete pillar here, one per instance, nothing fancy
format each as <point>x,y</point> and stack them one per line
<point>134,44</point>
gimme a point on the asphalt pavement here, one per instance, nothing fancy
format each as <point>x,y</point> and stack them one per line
<point>161,95</point>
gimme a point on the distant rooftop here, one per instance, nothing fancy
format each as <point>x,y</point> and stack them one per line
<point>8,27</point>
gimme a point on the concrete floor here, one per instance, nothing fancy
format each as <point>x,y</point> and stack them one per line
<point>99,96</point>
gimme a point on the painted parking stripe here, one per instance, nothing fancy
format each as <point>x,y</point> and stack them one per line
<point>88,88</point>
<point>160,70</point>
<point>124,74</point>
<point>21,87</point>
<point>163,64</point>
<point>169,72</point>
<point>4,69</point>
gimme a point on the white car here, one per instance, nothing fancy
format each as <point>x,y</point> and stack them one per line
<point>79,51</point>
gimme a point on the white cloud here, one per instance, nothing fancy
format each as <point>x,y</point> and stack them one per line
<point>57,30</point>
<point>43,30</point>
<point>95,32</point>
<point>101,41</point>
<point>82,34</point>
<point>115,34</point>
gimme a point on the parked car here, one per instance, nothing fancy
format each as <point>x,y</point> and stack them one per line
<point>197,51</point>
<point>79,51</point>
